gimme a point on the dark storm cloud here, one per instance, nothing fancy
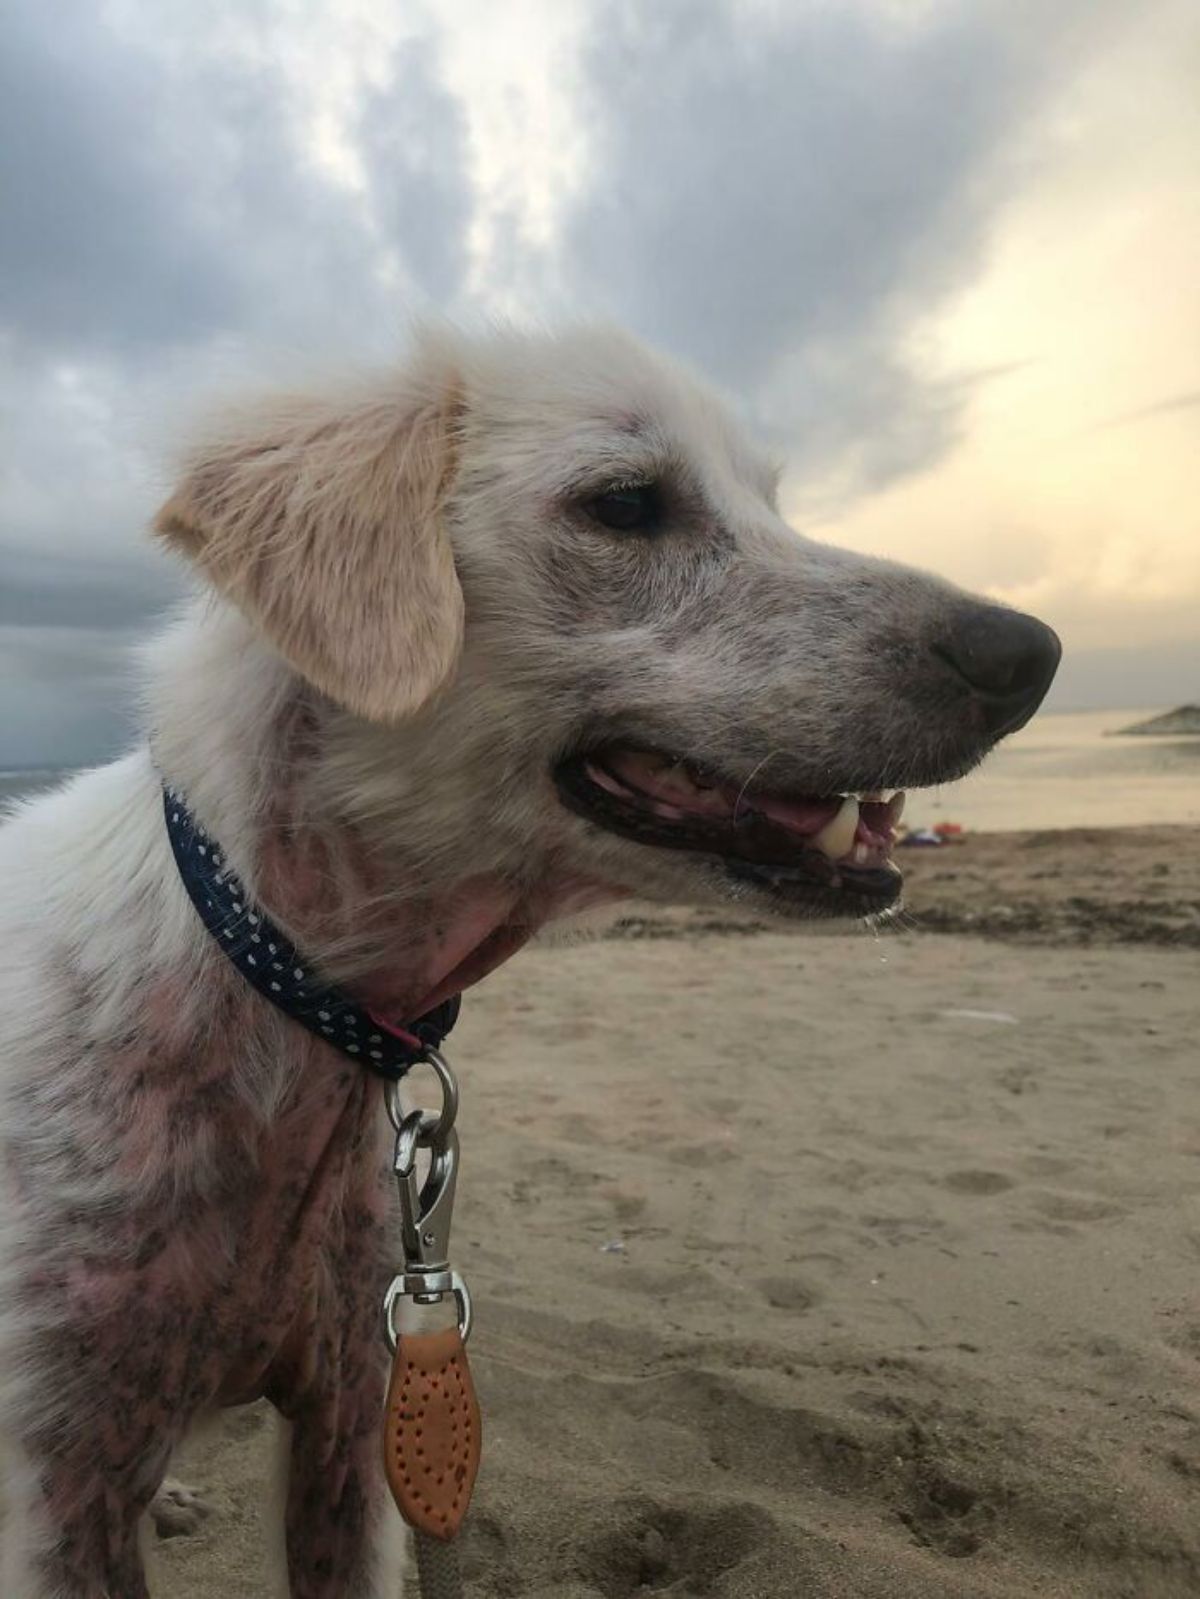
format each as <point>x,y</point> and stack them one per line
<point>103,243</point>
<point>161,216</point>
<point>412,143</point>
<point>775,191</point>
<point>760,186</point>
<point>778,193</point>
<point>159,197</point>
<point>65,695</point>
<point>43,589</point>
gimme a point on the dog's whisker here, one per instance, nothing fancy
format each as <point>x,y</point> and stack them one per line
<point>760,767</point>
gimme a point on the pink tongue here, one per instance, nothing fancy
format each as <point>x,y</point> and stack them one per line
<point>664,783</point>
<point>805,815</point>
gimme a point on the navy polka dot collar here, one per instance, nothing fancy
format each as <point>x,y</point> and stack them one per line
<point>271,963</point>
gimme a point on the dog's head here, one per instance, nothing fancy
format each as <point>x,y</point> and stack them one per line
<point>554,568</point>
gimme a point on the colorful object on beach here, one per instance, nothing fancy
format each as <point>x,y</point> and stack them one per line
<point>920,838</point>
<point>931,837</point>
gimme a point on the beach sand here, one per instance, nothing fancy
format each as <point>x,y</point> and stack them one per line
<point>837,1265</point>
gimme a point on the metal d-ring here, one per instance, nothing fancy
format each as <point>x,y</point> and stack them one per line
<point>436,1130</point>
<point>417,1287</point>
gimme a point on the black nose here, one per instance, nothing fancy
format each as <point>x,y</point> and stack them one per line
<point>1008,659</point>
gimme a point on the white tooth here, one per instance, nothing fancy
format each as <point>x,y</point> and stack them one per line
<point>896,806</point>
<point>860,854</point>
<point>836,837</point>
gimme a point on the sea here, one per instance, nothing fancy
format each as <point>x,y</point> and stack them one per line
<point>1072,769</point>
<point>1066,769</point>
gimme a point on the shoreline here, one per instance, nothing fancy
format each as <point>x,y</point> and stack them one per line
<point>1081,887</point>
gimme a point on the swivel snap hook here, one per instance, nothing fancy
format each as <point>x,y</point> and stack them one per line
<point>426,1208</point>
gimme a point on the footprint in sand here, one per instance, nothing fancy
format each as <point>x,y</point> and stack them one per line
<point>977,1182</point>
<point>946,1515</point>
<point>628,1204</point>
<point>789,1293</point>
<point>1076,1207</point>
<point>673,1548</point>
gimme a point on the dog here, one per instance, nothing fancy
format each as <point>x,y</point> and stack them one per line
<point>512,633</point>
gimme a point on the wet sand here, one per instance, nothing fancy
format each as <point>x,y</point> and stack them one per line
<point>848,1265</point>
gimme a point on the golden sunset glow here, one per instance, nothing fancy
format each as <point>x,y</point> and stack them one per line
<point>1074,487</point>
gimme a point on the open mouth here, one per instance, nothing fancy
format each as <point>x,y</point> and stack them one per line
<point>828,852</point>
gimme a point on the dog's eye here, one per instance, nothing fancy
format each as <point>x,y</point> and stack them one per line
<point>627,510</point>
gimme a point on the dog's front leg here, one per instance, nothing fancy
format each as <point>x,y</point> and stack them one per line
<point>69,1532</point>
<point>344,1537</point>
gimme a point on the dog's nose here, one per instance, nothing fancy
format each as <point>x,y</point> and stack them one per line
<point>1008,659</point>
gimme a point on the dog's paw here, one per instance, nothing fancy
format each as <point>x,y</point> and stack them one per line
<point>177,1510</point>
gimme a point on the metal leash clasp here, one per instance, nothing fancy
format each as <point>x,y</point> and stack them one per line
<point>426,1208</point>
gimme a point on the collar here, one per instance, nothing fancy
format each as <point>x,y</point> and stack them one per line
<point>273,965</point>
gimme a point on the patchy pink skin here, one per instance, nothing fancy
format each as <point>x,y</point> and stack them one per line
<point>215,1257</point>
<point>485,926</point>
<point>269,1286</point>
<point>318,887</point>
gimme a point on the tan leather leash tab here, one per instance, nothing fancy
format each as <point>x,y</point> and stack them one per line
<point>432,1432</point>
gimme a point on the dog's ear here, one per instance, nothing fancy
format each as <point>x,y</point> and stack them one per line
<point>326,526</point>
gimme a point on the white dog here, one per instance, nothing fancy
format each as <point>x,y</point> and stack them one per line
<point>514,632</point>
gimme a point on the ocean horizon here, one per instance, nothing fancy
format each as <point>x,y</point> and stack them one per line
<point>1066,769</point>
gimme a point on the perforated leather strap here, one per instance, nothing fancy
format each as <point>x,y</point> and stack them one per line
<point>432,1432</point>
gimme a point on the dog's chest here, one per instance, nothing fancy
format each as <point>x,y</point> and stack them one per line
<point>310,1262</point>
<point>248,1255</point>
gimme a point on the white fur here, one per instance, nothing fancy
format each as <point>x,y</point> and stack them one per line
<point>730,638</point>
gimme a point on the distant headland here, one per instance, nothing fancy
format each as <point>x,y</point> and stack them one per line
<point>1185,719</point>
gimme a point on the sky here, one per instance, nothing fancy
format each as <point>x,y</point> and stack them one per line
<point>943,254</point>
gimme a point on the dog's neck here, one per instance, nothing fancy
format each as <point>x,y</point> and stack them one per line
<point>340,831</point>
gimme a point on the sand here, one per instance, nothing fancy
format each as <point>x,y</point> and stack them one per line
<point>831,1266</point>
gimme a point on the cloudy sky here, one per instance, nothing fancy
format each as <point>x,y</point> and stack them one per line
<point>945,252</point>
